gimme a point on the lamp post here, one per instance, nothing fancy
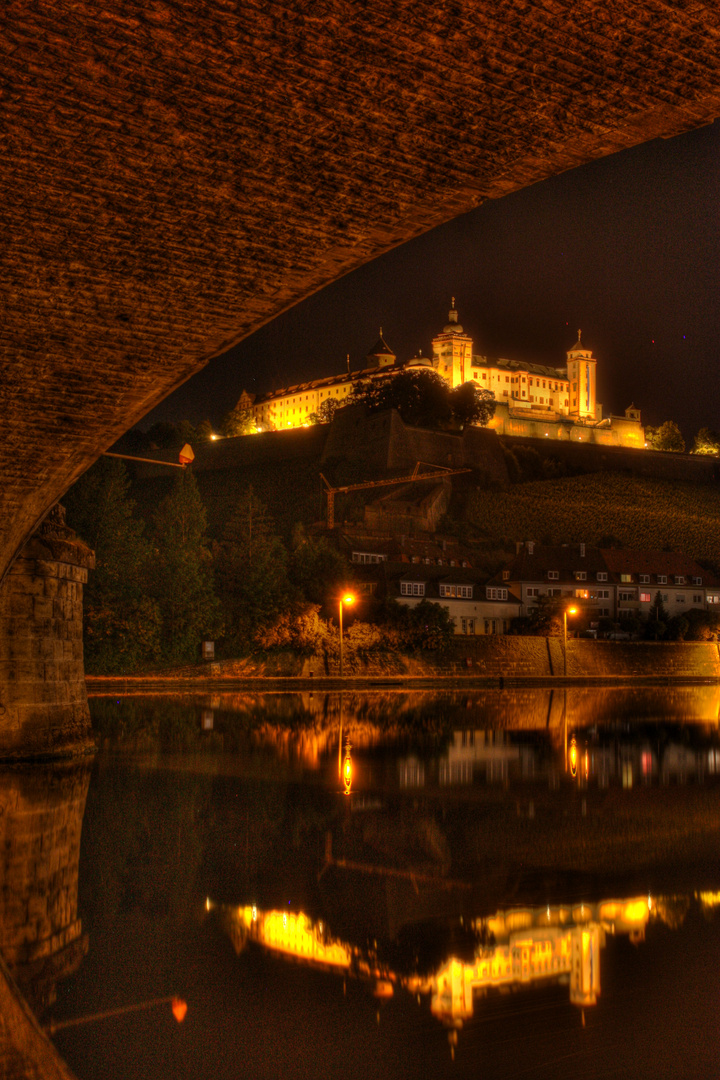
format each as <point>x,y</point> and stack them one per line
<point>347,599</point>
<point>566,612</point>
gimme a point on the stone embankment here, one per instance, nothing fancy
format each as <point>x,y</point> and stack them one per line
<point>502,660</point>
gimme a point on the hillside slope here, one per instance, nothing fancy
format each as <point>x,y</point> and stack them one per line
<point>640,512</point>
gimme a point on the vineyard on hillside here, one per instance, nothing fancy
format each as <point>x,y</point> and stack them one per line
<point>640,512</point>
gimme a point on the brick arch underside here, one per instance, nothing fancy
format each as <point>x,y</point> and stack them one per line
<point>175,174</point>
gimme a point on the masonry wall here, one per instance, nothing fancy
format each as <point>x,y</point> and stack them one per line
<point>43,702</point>
<point>592,458</point>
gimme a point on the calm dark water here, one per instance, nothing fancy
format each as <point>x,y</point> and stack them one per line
<point>503,883</point>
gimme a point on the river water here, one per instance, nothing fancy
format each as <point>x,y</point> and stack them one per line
<point>497,883</point>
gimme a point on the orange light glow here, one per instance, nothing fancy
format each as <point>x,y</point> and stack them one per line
<point>573,758</point>
<point>572,611</point>
<point>348,599</point>
<point>179,1008</point>
<point>347,772</point>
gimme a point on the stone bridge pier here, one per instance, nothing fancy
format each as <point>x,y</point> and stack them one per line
<point>43,701</point>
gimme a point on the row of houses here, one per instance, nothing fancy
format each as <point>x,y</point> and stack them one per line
<point>619,584</point>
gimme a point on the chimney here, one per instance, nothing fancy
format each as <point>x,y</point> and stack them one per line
<point>530,545</point>
<point>582,551</point>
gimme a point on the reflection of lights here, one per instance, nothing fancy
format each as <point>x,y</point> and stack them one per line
<point>586,761</point>
<point>649,903</point>
<point>635,911</point>
<point>207,903</point>
<point>254,914</point>
<point>285,920</point>
<point>347,770</point>
<point>179,1009</point>
<point>573,756</point>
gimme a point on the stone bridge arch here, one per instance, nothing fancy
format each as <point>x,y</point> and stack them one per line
<point>174,175</point>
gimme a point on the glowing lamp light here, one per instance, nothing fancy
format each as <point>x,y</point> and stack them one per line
<point>347,772</point>
<point>179,1009</point>
<point>348,599</point>
<point>573,758</point>
<point>572,611</point>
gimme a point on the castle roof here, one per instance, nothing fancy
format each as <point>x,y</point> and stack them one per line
<point>381,348</point>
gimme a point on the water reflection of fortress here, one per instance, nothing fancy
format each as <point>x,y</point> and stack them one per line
<point>530,947</point>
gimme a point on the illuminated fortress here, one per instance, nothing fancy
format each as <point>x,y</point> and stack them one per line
<point>532,400</point>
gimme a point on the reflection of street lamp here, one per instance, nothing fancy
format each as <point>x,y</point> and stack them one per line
<point>566,612</point>
<point>347,599</point>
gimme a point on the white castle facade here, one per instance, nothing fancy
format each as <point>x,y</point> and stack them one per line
<point>531,399</point>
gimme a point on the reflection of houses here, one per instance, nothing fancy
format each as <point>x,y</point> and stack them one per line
<point>610,582</point>
<point>473,752</point>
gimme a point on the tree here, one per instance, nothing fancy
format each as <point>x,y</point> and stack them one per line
<point>163,435</point>
<point>182,575</point>
<point>251,572</point>
<point>326,412</point>
<point>316,568</point>
<point>238,422</point>
<point>204,431</point>
<point>707,442</point>
<point>545,617</point>
<point>667,437</point>
<point>657,619</point>
<point>471,404</point>
<point>421,397</point>
<point>121,621</point>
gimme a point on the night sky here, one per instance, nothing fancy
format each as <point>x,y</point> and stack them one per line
<point>626,248</point>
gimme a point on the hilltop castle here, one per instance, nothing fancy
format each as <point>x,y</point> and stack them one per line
<point>531,399</point>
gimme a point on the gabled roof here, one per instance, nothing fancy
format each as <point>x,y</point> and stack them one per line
<point>671,563</point>
<point>566,559</point>
<point>503,364</point>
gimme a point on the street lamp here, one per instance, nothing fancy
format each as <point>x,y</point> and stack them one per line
<point>347,599</point>
<point>566,612</point>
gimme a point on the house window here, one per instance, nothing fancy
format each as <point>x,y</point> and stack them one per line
<point>461,592</point>
<point>679,579</point>
<point>662,579</point>
<point>532,591</point>
<point>679,598</point>
<point>580,575</point>
<point>697,598</point>
<point>626,596</point>
<point>644,579</point>
<point>713,598</point>
<point>697,581</point>
<point>412,588</point>
<point>645,597</point>
<point>496,594</point>
<point>554,592</point>
<point>601,575</point>
<point>626,577</point>
<point>581,594</point>
<point>506,575</point>
<point>553,575</point>
<point>603,594</point>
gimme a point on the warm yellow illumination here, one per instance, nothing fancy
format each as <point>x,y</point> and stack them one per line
<point>636,911</point>
<point>572,611</point>
<point>573,758</point>
<point>214,438</point>
<point>347,772</point>
<point>207,904</point>
<point>348,599</point>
